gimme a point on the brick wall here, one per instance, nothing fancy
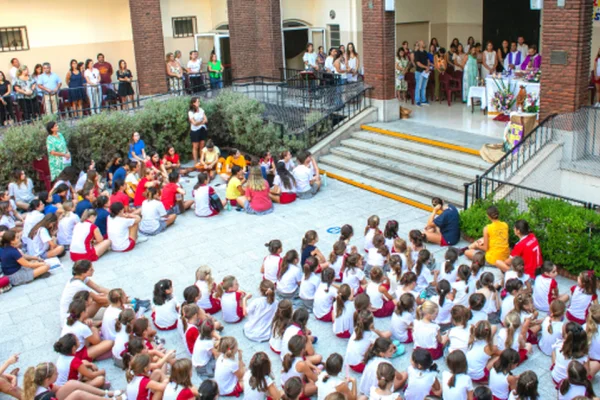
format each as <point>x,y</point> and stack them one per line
<point>255,37</point>
<point>378,55</point>
<point>148,45</point>
<point>564,87</point>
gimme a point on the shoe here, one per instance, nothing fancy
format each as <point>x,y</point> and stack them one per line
<point>425,103</point>
<point>462,251</point>
<point>142,239</point>
<point>45,275</point>
<point>418,104</point>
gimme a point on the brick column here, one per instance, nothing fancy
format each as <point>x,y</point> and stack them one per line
<point>378,56</point>
<point>148,45</point>
<point>256,38</point>
<point>565,29</point>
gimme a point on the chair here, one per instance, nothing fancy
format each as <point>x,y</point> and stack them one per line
<point>42,169</point>
<point>411,84</point>
<point>450,85</point>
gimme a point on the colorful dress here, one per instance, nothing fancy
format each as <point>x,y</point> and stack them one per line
<point>59,145</point>
<point>469,76</point>
<point>401,84</point>
<point>174,81</point>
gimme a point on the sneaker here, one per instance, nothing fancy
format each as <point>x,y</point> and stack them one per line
<point>418,104</point>
<point>142,239</point>
<point>143,303</point>
<point>425,103</point>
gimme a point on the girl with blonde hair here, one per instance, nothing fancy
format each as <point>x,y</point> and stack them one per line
<point>256,199</point>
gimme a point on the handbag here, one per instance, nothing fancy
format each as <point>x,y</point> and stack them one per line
<point>215,202</point>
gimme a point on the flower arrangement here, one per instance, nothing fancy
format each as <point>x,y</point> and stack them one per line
<point>534,75</point>
<point>531,104</point>
<point>504,98</point>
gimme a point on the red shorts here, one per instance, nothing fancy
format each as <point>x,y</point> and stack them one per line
<point>437,352</point>
<point>443,242</point>
<point>497,398</point>
<point>215,306</point>
<point>571,318</point>
<point>129,248</point>
<point>90,256</point>
<point>386,310</point>
<point>233,202</point>
<point>273,350</point>
<point>344,335</point>
<point>327,317</point>
<point>287,198</point>
<point>410,336</point>
<point>160,328</point>
<point>359,291</point>
<point>236,391</point>
<point>522,355</point>
<point>83,354</point>
<point>486,376</point>
<point>532,337</point>
<point>358,368</point>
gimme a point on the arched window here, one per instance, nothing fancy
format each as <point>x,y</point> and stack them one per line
<point>222,27</point>
<point>295,23</point>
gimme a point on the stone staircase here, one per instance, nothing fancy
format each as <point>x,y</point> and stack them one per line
<point>406,166</point>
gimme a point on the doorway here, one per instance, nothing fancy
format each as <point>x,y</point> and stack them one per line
<point>217,42</point>
<point>509,19</point>
<point>296,35</point>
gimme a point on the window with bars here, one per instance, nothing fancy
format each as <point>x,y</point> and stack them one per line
<point>334,36</point>
<point>14,39</point>
<point>184,27</point>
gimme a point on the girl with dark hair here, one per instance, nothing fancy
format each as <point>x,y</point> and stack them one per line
<point>501,379</point>
<point>7,115</point>
<point>296,364</point>
<point>576,384</point>
<point>203,193</point>
<point>70,367</point>
<point>165,313</point>
<point>381,351</point>
<point>20,189</point>
<point>122,229</point>
<point>208,390</point>
<point>75,80</point>
<point>330,381</point>
<point>456,384</point>
<point>125,78</point>
<point>353,61</point>
<point>575,347</point>
<point>260,313</point>
<point>18,267</point>
<point>527,247</point>
<point>137,148</point>
<point>42,240</point>
<point>198,132</point>
<point>527,387</point>
<point>284,185</point>
<point>422,376</point>
<point>154,216</point>
<point>94,90</point>
<point>180,381</point>
<point>258,379</point>
<point>87,242</point>
<point>289,276</point>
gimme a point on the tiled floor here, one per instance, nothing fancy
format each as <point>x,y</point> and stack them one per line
<point>232,243</point>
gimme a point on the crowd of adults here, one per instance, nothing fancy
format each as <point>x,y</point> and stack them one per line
<point>468,63</point>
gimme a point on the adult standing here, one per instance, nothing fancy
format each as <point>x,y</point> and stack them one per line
<point>15,64</point>
<point>256,199</point>
<point>310,58</point>
<point>440,64</point>
<point>522,47</point>
<point>470,73</point>
<point>125,77</point>
<point>25,88</point>
<point>105,69</point>
<point>527,248</point>
<point>402,68</point>
<point>353,63</point>
<point>58,154</point>
<point>470,44</point>
<point>513,59</point>
<point>18,267</point>
<point>92,79</point>
<point>490,60</point>
<point>174,74</point>
<point>49,83</point>
<point>76,82</point>
<point>137,149</point>
<point>7,116</point>
<point>443,229</point>
<point>194,67</point>
<point>422,74</point>
<point>215,72</point>
<point>460,58</point>
<point>198,131</point>
<point>501,55</point>
<point>321,56</point>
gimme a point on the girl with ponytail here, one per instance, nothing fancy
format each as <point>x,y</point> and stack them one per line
<point>309,249</point>
<point>429,337</point>
<point>337,258</point>
<point>346,233</point>
<point>461,286</point>
<point>390,233</point>
<point>142,381</point>
<point>190,318</point>
<point>272,263</point>
<point>377,290</point>
<point>325,296</point>
<point>118,300</point>
<point>258,380</point>
<point>281,320</point>
<point>165,313</point>
<point>448,271</point>
<point>527,387</point>
<point>381,351</point>
<point>229,372</point>
<point>476,269</point>
<point>39,384</point>
<point>330,382</point>
<point>71,367</point>
<point>124,329</point>
<point>364,335</point>
<point>260,313</point>
<point>91,346</point>
<point>576,384</point>
<point>552,327</point>
<point>205,282</point>
<point>343,313</point>
<point>310,282</point>
<point>492,305</point>
<point>445,300</point>
<point>371,230</point>
<point>408,284</point>
<point>482,353</point>
<point>289,276</point>
<point>353,274</point>
<point>180,381</point>
<point>531,325</point>
<point>385,383</point>
<point>574,348</point>
<point>296,364</point>
<point>501,378</point>
<point>425,279</point>
<point>422,376</point>
<point>298,326</point>
<point>191,295</point>
<point>511,337</point>
<point>456,384</point>
<point>205,352</point>
<point>233,300</point>
<point>403,318</point>
<point>591,329</point>
<point>292,389</point>
<point>396,269</point>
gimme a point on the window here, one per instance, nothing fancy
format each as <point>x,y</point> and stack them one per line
<point>184,27</point>
<point>334,36</point>
<point>14,39</point>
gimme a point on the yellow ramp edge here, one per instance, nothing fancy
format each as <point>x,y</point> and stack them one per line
<point>378,191</point>
<point>419,139</point>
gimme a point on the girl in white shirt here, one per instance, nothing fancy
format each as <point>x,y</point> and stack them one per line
<point>66,225</point>
<point>260,313</point>
<point>123,329</point>
<point>280,322</point>
<point>456,384</point>
<point>154,215</point>
<point>476,304</point>
<point>41,243</point>
<point>289,276</point>
<point>403,318</point>
<point>501,379</point>
<point>528,314</point>
<point>371,230</point>
<point>397,267</point>
<point>486,287</point>
<point>526,388</point>
<point>552,327</point>
<point>513,287</point>
<point>476,270</point>
<point>511,337</point>
<point>118,300</point>
<point>461,286</point>
<point>449,272</point>
<point>409,285</point>
<point>165,313</point>
<point>382,301</point>
<point>460,333</point>
<point>576,384</point>
<point>384,390</point>
<point>233,300</point>
<point>480,353</point>
<point>378,255</point>
<point>205,282</point>
<point>363,337</point>
<point>296,364</point>
<point>258,379</point>
<point>337,258</point>
<point>91,345</point>
<point>343,313</point>
<point>71,367</point>
<point>202,195</point>
<point>325,295</point>
<point>205,354</point>
<point>583,295</point>
<point>380,352</point>
<point>180,381</point>
<point>429,337</point>
<point>574,348</point>
<point>330,382</point>
<point>421,377</point>
<point>353,274</point>
<point>297,326</point>
<point>310,282</point>
<point>229,372</point>
<point>425,279</point>
<point>445,300</point>
<point>591,328</point>
<point>272,263</point>
<point>390,233</point>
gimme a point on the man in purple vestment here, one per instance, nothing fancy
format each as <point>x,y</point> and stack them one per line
<point>533,60</point>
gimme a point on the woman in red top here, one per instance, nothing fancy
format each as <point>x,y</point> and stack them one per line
<point>171,159</point>
<point>149,180</point>
<point>527,248</point>
<point>256,199</point>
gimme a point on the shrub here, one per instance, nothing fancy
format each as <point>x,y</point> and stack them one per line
<point>569,235</point>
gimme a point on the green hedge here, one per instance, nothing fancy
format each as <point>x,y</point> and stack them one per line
<point>234,121</point>
<point>569,235</point>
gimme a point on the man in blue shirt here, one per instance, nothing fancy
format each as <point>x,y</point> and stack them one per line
<point>443,229</point>
<point>49,83</point>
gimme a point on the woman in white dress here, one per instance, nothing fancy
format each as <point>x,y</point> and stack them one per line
<point>490,61</point>
<point>353,63</point>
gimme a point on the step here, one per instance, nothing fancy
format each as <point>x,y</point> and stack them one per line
<point>389,179</point>
<point>416,172</point>
<point>464,174</point>
<point>442,154</point>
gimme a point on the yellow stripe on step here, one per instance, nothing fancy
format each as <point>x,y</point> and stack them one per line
<point>378,191</point>
<point>419,139</point>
